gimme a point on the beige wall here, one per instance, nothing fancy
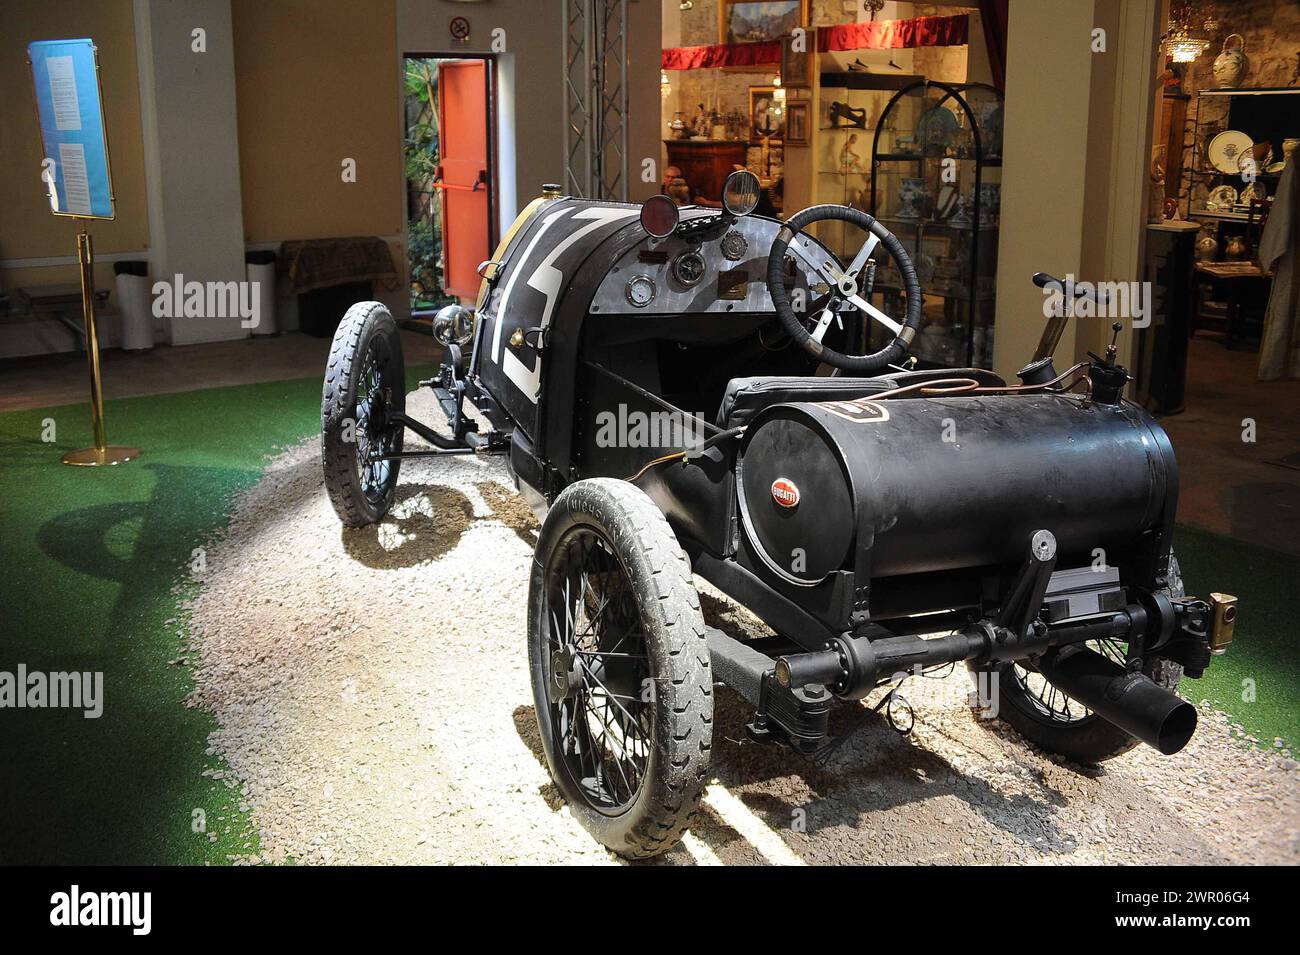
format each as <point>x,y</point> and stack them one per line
<point>1076,146</point>
<point>316,82</point>
<point>533,35</point>
<point>27,227</point>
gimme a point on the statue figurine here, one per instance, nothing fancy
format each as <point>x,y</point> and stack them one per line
<point>850,161</point>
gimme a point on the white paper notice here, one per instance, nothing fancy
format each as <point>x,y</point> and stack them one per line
<point>63,93</point>
<point>76,186</point>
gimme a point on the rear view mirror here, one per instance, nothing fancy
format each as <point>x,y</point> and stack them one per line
<point>740,193</point>
<point>659,216</point>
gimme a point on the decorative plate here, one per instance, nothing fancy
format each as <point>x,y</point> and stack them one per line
<point>1221,199</point>
<point>1255,190</point>
<point>937,127</point>
<point>1226,149</point>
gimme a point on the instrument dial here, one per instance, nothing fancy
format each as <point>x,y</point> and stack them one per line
<point>688,268</point>
<point>734,245</point>
<point>640,290</point>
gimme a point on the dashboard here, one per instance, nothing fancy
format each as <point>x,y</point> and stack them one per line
<point>721,269</point>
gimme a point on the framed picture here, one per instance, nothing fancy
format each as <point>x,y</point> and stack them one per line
<point>796,123</point>
<point>796,68</point>
<point>757,21</point>
<point>766,114</point>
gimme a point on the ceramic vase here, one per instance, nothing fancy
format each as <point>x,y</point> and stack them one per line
<point>1230,64</point>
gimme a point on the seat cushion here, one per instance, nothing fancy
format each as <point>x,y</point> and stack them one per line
<point>745,397</point>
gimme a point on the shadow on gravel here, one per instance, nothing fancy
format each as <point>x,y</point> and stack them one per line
<point>709,828</point>
<point>425,522</point>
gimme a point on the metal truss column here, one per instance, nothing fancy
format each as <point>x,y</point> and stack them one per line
<point>595,98</point>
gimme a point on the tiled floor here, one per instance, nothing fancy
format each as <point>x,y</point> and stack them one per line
<point>62,379</point>
<point>1228,485</point>
<point>1248,490</point>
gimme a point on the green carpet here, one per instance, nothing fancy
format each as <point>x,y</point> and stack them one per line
<point>1264,659</point>
<point>93,562</point>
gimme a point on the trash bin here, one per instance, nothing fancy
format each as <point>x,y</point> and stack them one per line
<point>133,299</point>
<point>261,269</point>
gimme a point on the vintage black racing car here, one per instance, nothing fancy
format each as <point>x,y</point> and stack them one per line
<point>693,392</point>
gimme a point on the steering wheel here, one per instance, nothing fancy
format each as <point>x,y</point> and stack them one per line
<point>851,286</point>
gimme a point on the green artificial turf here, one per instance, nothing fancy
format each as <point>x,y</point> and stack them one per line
<point>1264,659</point>
<point>89,560</point>
<point>93,564</point>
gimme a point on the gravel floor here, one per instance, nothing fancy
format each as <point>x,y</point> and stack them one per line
<point>372,694</point>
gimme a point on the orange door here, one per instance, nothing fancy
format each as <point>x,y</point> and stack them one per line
<point>464,180</point>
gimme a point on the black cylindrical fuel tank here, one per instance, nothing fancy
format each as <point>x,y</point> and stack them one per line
<point>948,482</point>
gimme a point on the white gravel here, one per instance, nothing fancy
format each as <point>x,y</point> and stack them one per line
<point>372,694</point>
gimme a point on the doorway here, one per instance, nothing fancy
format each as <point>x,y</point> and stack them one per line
<point>449,157</point>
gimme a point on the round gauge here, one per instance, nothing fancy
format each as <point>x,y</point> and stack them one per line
<point>734,245</point>
<point>688,268</point>
<point>640,290</point>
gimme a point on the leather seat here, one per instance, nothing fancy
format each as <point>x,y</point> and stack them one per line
<point>745,397</point>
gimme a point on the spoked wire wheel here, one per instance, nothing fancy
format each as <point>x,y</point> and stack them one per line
<point>622,682</point>
<point>365,383</point>
<point>1051,702</point>
<point>601,677</point>
<point>1059,724</point>
<point>375,434</point>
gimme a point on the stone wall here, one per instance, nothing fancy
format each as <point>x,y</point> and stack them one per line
<point>1271,30</point>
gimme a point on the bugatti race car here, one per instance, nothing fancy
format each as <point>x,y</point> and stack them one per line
<point>694,392</point>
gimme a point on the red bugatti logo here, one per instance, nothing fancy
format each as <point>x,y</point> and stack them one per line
<point>785,493</point>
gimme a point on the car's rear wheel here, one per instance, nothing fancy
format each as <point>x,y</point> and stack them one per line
<point>365,382</point>
<point>620,667</point>
<point>1058,724</point>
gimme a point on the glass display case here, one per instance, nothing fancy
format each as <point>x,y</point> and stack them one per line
<point>1241,140</point>
<point>935,182</point>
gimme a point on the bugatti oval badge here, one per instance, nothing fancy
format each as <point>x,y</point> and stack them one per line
<point>785,493</point>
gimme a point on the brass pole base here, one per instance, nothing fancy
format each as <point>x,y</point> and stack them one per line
<point>98,457</point>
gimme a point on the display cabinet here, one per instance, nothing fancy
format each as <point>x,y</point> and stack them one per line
<point>935,182</point>
<point>1241,139</point>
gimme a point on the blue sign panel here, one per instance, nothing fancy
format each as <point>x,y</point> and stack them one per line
<point>75,169</point>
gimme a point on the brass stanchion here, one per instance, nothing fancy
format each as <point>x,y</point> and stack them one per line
<point>102,453</point>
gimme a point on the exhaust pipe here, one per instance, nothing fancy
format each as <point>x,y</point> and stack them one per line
<point>1129,700</point>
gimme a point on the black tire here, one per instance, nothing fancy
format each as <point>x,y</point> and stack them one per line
<point>609,541</point>
<point>1090,739</point>
<point>362,494</point>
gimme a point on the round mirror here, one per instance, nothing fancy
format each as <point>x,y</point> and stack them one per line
<point>741,192</point>
<point>659,216</point>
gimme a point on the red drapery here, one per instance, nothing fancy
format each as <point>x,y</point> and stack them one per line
<point>895,34</point>
<point>875,35</point>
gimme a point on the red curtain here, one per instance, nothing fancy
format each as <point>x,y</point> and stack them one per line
<point>876,35</point>
<point>722,54</point>
<point>895,34</point>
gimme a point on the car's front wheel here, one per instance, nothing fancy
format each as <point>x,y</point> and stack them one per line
<point>365,382</point>
<point>620,667</point>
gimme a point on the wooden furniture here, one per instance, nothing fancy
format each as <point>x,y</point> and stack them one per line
<point>1238,280</point>
<point>1160,360</point>
<point>1173,120</point>
<point>705,163</point>
<point>62,302</point>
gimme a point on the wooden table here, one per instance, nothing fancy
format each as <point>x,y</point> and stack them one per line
<point>1233,276</point>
